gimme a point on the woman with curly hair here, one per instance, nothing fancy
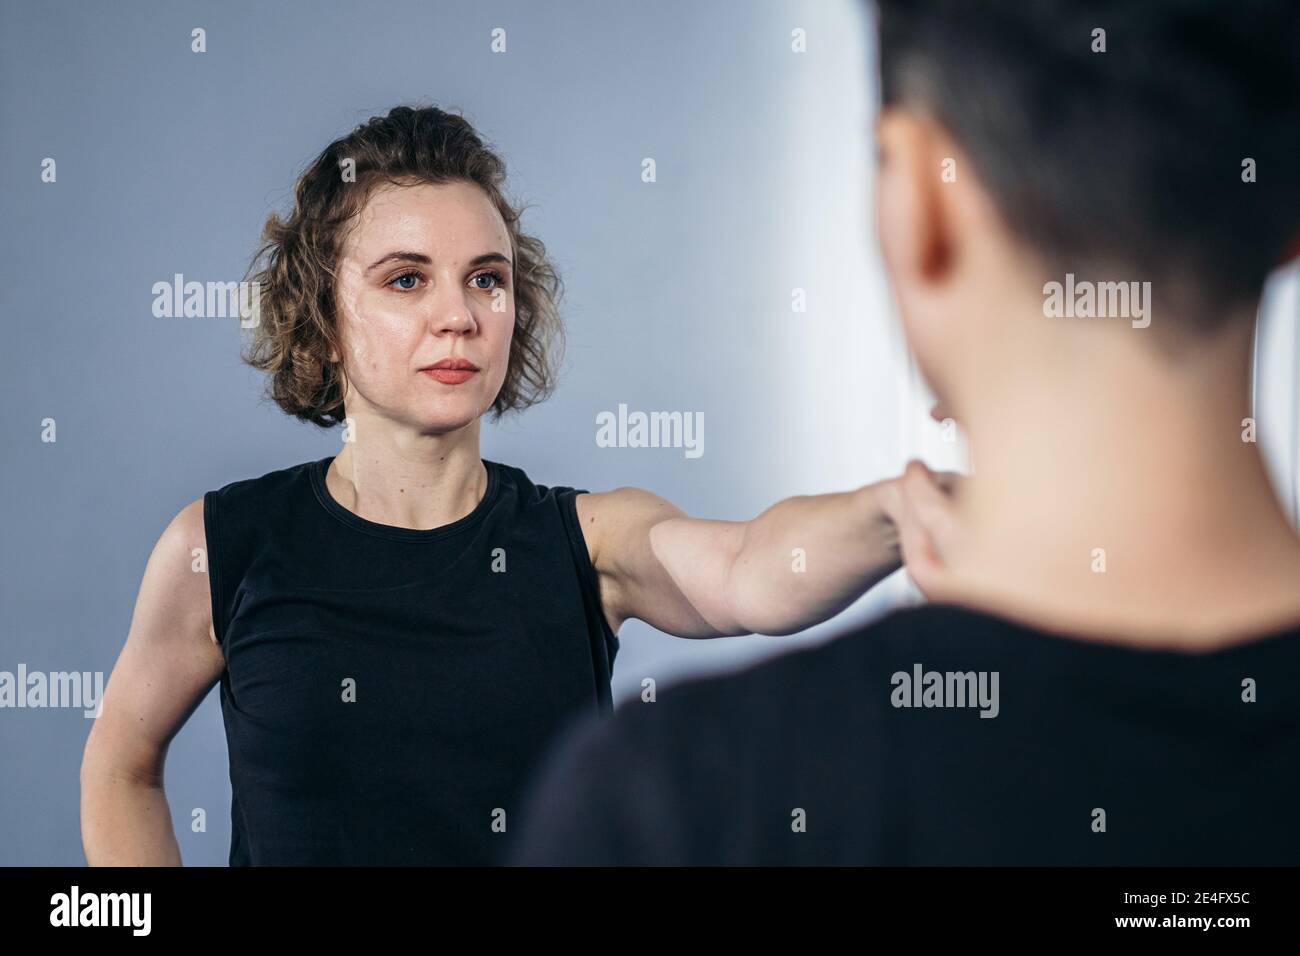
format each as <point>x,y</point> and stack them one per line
<point>400,629</point>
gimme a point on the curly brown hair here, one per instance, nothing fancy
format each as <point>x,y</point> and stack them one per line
<point>296,263</point>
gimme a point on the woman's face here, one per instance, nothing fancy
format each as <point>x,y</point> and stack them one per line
<point>424,277</point>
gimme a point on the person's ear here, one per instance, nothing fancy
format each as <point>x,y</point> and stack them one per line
<point>912,226</point>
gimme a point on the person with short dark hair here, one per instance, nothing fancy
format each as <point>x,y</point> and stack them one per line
<point>1078,205</point>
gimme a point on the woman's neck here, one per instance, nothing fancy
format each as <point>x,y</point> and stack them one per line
<point>409,481</point>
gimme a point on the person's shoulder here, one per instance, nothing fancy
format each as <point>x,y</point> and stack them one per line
<point>526,491</point>
<point>846,656</point>
<point>266,483</point>
<point>814,684</point>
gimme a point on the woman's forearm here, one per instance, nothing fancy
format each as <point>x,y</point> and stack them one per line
<point>125,821</point>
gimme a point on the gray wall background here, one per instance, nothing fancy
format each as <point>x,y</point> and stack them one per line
<point>678,293</point>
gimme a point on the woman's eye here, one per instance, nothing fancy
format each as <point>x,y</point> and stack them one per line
<point>492,278</point>
<point>400,282</point>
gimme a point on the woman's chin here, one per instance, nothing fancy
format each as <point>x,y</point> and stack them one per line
<point>449,419</point>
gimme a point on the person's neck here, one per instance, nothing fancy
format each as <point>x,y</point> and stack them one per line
<point>409,480</point>
<point>1123,505</point>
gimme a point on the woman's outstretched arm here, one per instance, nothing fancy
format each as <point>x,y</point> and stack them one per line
<point>168,664</point>
<point>798,563</point>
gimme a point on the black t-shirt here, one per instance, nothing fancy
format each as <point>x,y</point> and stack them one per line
<point>942,735</point>
<point>388,691</point>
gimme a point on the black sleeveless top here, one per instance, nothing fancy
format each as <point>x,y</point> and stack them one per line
<point>388,691</point>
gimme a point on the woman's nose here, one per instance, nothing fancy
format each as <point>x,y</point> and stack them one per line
<point>454,317</point>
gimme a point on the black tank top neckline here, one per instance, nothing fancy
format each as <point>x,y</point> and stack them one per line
<point>319,468</point>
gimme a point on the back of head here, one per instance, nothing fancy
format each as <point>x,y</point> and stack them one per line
<point>1152,140</point>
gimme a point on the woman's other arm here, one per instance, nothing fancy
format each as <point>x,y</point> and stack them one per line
<point>169,663</point>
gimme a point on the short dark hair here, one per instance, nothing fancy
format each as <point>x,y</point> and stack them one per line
<point>1128,159</point>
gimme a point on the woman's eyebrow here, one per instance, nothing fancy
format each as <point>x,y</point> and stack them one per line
<point>489,257</point>
<point>399,257</point>
<point>422,259</point>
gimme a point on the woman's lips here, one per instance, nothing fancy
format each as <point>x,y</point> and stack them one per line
<point>451,371</point>
<point>450,376</point>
